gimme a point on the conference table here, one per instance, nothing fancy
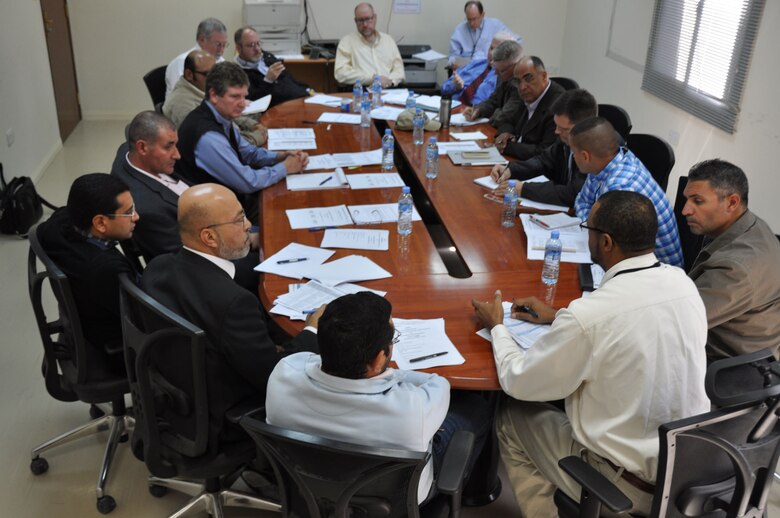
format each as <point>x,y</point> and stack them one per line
<point>458,251</point>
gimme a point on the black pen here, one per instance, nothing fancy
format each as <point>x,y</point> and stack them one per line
<point>311,122</point>
<point>529,310</point>
<point>326,180</point>
<point>296,260</point>
<point>428,357</point>
<point>315,229</point>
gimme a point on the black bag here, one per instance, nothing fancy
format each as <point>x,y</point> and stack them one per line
<point>20,205</point>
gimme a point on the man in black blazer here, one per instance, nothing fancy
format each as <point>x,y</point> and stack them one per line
<point>534,128</point>
<point>196,283</point>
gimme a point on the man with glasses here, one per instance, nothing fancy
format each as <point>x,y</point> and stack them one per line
<point>81,238</point>
<point>503,106</point>
<point>349,393</point>
<point>625,359</point>
<point>367,53</point>
<point>266,72</point>
<point>471,38</point>
<point>211,37</point>
<point>196,283</point>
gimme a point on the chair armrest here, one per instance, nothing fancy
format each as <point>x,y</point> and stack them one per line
<point>455,462</point>
<point>249,407</point>
<point>596,484</point>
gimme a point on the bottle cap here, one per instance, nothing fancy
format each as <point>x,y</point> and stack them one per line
<point>512,183</point>
<point>406,189</point>
<point>432,140</point>
<point>388,131</point>
<point>555,234</point>
<point>418,111</point>
<point>358,83</point>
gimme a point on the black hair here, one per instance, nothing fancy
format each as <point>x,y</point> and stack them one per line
<point>724,177</point>
<point>93,194</point>
<point>577,104</point>
<point>628,217</point>
<point>225,75</point>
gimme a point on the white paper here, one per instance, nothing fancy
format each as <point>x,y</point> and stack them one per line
<point>356,239</point>
<point>257,106</point>
<point>294,307</point>
<point>530,204</point>
<point>555,221</point>
<point>290,56</point>
<point>574,241</point>
<point>429,55</point>
<point>378,213</point>
<point>312,254</point>
<point>287,312</point>
<point>358,159</point>
<point>286,144</point>
<point>343,118</point>
<point>311,217</point>
<point>352,268</point>
<point>468,145</point>
<point>419,338</point>
<point>325,100</point>
<point>395,96</point>
<point>291,133</point>
<point>374,180</point>
<point>406,6</point>
<point>525,334</point>
<point>386,113</point>
<point>432,102</point>
<point>321,162</point>
<point>487,182</point>
<point>469,135</point>
<point>458,119</point>
<point>317,181</point>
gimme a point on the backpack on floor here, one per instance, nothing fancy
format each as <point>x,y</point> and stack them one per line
<point>20,205</point>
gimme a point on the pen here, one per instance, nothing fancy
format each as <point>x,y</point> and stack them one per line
<point>296,260</point>
<point>311,122</point>
<point>326,180</point>
<point>328,128</point>
<point>539,222</point>
<point>315,229</point>
<point>427,357</point>
<point>529,310</point>
<point>309,311</point>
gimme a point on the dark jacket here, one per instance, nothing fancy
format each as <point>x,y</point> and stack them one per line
<point>534,134</point>
<point>503,106</point>
<point>285,88</point>
<point>556,164</point>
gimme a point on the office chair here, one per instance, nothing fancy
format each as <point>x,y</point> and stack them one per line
<point>718,464</point>
<point>690,243</point>
<point>618,117</point>
<point>132,251</point>
<point>320,477</point>
<point>166,366</point>
<point>155,83</point>
<point>566,83</point>
<point>68,369</point>
<point>655,153</point>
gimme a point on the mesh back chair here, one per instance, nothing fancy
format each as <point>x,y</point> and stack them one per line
<point>70,371</point>
<point>618,117</point>
<point>155,83</point>
<point>690,243</point>
<point>655,153</point>
<point>565,82</point>
<point>324,478</point>
<point>166,366</point>
<point>716,465</point>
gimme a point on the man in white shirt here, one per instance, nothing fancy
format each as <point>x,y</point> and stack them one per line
<point>367,52</point>
<point>211,37</point>
<point>626,359</point>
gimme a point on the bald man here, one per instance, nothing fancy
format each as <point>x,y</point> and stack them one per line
<point>196,283</point>
<point>598,152</point>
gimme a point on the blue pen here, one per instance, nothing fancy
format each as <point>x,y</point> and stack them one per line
<point>309,311</point>
<point>315,229</point>
<point>326,180</point>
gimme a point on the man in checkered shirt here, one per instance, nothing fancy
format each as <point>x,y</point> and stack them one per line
<point>598,151</point>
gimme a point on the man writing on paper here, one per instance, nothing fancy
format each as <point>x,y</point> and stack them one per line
<point>625,359</point>
<point>211,37</point>
<point>557,161</point>
<point>367,52</point>
<point>470,39</point>
<point>737,270</point>
<point>348,392</point>
<point>503,106</point>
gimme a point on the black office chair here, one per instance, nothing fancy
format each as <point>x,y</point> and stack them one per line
<point>718,464</point>
<point>155,83</point>
<point>690,243</point>
<point>69,370</point>
<point>132,251</point>
<point>166,365</point>
<point>616,116</point>
<point>324,478</point>
<point>565,82</point>
<point>655,153</point>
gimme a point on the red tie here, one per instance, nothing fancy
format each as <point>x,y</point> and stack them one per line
<point>468,93</point>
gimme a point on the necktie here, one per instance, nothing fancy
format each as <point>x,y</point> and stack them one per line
<point>468,93</point>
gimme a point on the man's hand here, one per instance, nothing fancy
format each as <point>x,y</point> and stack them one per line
<point>457,81</point>
<point>274,71</point>
<point>386,81</point>
<point>313,320</point>
<point>490,313</point>
<point>295,163</point>
<point>524,309</point>
<point>471,113</point>
<point>502,140</point>
<point>500,173</point>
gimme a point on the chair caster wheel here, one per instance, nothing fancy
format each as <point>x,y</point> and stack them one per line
<point>95,412</point>
<point>158,491</point>
<point>106,504</point>
<point>124,437</point>
<point>39,466</point>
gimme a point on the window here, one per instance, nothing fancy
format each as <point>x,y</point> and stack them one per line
<point>699,55</point>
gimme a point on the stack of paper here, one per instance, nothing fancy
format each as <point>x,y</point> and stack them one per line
<point>356,238</point>
<point>293,259</point>
<point>317,181</point>
<point>291,138</point>
<point>395,96</point>
<point>555,221</point>
<point>325,100</point>
<point>458,119</point>
<point>424,344</point>
<point>260,105</point>
<point>352,268</point>
<point>469,145</point>
<point>314,217</point>
<point>304,298</point>
<point>429,55</point>
<point>374,180</point>
<point>525,334</point>
<point>321,162</point>
<point>469,135</point>
<point>386,113</point>
<point>378,213</point>
<point>485,156</point>
<point>343,118</point>
<point>358,159</point>
<point>573,239</point>
<point>432,102</point>
<point>486,182</point>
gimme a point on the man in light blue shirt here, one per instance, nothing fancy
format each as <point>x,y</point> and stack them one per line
<point>471,38</point>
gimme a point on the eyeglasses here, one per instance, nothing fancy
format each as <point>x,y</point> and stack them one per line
<point>396,336</point>
<point>221,45</point>
<point>130,214</point>
<point>240,221</point>
<point>252,45</point>
<point>360,21</point>
<point>584,226</point>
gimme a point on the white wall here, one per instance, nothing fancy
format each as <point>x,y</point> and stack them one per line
<point>757,134</point>
<point>26,93</point>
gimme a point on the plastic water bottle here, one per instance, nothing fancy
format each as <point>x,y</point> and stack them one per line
<point>376,93</point>
<point>432,159</point>
<point>510,204</point>
<point>405,207</point>
<point>418,127</point>
<point>411,103</point>
<point>388,147</point>
<point>357,97</point>
<point>552,259</point>
<point>365,112</point>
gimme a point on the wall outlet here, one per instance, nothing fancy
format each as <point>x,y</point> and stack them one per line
<point>10,137</point>
<point>674,138</point>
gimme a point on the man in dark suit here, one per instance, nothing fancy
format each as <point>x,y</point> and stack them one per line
<point>534,128</point>
<point>196,283</point>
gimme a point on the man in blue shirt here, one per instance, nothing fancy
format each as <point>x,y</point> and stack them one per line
<point>610,167</point>
<point>471,39</point>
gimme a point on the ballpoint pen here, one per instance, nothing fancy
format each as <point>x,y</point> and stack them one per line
<point>527,309</point>
<point>326,180</point>
<point>427,357</point>
<point>315,229</point>
<point>296,260</point>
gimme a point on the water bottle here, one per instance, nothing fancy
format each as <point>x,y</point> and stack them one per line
<point>357,97</point>
<point>510,204</point>
<point>432,159</point>
<point>376,93</point>
<point>552,259</point>
<point>405,207</point>
<point>411,104</point>
<point>365,112</point>
<point>418,125</point>
<point>388,147</point>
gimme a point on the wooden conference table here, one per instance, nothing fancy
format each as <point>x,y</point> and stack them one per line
<point>457,221</point>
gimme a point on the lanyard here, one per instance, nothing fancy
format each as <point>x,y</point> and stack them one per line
<point>475,41</point>
<point>632,270</point>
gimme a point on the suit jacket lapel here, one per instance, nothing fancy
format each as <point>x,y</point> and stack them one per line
<point>164,192</point>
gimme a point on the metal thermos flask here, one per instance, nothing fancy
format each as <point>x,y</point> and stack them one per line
<point>445,110</point>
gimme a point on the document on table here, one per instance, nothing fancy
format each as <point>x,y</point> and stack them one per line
<point>485,156</point>
<point>468,145</point>
<point>258,106</point>
<point>422,338</point>
<point>310,296</point>
<point>530,204</point>
<point>573,239</point>
<point>469,135</point>
<point>317,181</point>
<point>302,254</point>
<point>358,159</point>
<point>432,102</point>
<point>374,180</point>
<point>386,113</point>
<point>486,182</point>
<point>325,100</point>
<point>321,162</point>
<point>378,213</point>
<point>429,55</point>
<point>555,221</point>
<point>356,238</point>
<point>525,334</point>
<point>291,133</point>
<point>319,217</point>
<point>395,96</point>
<point>458,119</point>
<point>291,138</point>
<point>342,118</point>
<point>352,268</point>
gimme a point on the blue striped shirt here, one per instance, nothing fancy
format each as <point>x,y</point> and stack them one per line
<point>469,73</point>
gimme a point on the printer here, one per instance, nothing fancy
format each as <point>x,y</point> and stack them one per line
<point>419,73</point>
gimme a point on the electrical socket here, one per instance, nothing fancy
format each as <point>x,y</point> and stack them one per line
<point>10,137</point>
<point>674,138</point>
